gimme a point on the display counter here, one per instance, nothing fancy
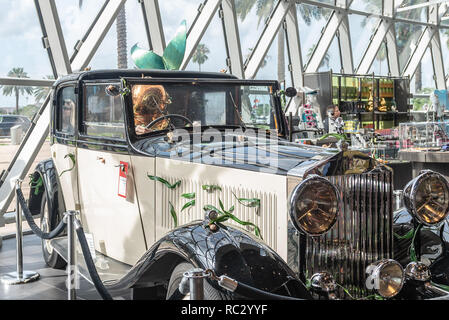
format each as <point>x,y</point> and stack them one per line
<point>425,159</point>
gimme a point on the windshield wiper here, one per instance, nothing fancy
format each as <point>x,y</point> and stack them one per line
<point>243,125</point>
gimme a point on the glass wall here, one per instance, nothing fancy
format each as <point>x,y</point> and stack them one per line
<point>76,16</point>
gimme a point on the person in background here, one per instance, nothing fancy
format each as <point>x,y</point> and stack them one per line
<point>334,123</point>
<point>68,120</point>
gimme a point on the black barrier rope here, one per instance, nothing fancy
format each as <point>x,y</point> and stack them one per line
<point>91,265</point>
<point>254,293</point>
<point>29,217</point>
<point>57,231</point>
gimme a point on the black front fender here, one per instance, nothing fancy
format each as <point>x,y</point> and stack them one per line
<point>431,243</point>
<point>228,251</point>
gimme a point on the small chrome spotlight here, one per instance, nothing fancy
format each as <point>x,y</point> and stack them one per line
<point>386,277</point>
<point>417,271</point>
<point>323,282</point>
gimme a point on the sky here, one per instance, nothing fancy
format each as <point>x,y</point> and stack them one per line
<point>20,35</point>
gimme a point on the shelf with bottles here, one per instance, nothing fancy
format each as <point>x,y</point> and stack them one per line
<point>386,88</point>
<point>376,120</point>
<point>370,93</point>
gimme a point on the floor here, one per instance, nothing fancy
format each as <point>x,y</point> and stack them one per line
<point>50,286</point>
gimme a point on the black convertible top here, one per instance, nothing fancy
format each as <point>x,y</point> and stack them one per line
<point>136,73</point>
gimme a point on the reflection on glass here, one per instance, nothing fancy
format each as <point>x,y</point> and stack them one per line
<point>407,36</point>
<point>203,103</point>
<point>103,114</point>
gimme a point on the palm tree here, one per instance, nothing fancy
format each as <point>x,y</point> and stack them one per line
<point>263,11</point>
<point>17,90</point>
<point>200,55</point>
<point>122,54</point>
<point>41,93</point>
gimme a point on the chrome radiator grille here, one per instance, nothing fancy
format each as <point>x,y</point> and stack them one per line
<point>362,234</point>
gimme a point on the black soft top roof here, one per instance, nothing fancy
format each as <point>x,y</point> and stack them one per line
<point>133,73</point>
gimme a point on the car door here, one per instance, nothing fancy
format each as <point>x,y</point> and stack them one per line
<point>63,150</point>
<point>109,206</point>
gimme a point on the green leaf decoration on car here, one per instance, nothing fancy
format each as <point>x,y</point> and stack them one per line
<point>211,188</point>
<point>346,291</point>
<point>165,182</point>
<point>406,236</point>
<point>188,205</point>
<point>251,203</point>
<point>126,90</point>
<point>72,157</point>
<point>412,249</point>
<point>172,57</point>
<point>173,214</point>
<point>211,207</point>
<point>439,285</point>
<point>188,195</point>
<point>227,214</point>
<point>36,184</point>
<point>246,223</point>
<point>221,205</point>
<point>335,135</point>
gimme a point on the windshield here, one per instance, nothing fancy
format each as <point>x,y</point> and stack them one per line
<point>174,105</point>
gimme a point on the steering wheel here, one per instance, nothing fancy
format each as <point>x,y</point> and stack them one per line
<point>152,123</point>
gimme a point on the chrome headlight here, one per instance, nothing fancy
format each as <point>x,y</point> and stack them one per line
<point>314,205</point>
<point>386,277</point>
<point>427,198</point>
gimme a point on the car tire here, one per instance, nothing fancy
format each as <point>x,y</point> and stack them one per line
<point>51,257</point>
<point>210,293</point>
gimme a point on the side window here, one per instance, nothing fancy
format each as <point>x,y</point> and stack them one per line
<point>65,122</point>
<point>102,114</point>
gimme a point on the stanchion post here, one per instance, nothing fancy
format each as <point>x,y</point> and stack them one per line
<point>20,276</point>
<point>196,283</point>
<point>398,199</point>
<point>71,265</point>
<point>19,234</point>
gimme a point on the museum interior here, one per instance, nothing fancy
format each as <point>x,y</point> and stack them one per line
<point>349,103</point>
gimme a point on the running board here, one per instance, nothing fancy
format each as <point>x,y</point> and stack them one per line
<point>108,269</point>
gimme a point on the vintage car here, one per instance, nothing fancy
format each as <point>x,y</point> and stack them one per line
<point>171,170</point>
